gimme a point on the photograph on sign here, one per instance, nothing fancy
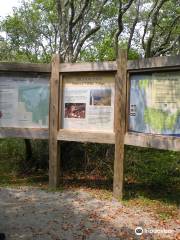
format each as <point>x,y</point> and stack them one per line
<point>24,101</point>
<point>88,102</point>
<point>100,97</point>
<point>75,110</point>
<point>155,103</point>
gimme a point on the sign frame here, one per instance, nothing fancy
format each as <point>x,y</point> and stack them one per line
<point>24,68</point>
<point>122,70</point>
<point>150,65</point>
<point>76,134</point>
<point>56,134</point>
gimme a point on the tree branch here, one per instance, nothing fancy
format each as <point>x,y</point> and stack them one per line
<point>147,23</point>
<point>70,32</point>
<point>164,50</point>
<point>59,10</point>
<point>166,40</point>
<point>134,25</point>
<point>152,33</point>
<point>82,41</point>
<point>121,12</point>
<point>80,16</point>
<point>127,6</point>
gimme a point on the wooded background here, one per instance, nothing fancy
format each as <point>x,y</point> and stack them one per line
<point>90,30</point>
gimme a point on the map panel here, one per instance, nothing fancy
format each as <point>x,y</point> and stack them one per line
<point>24,101</point>
<point>155,103</point>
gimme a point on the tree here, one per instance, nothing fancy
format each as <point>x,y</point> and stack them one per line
<point>91,29</point>
<point>78,22</point>
<point>39,28</point>
<point>32,31</point>
<point>135,30</point>
<point>122,9</point>
<point>161,31</point>
<point>134,24</point>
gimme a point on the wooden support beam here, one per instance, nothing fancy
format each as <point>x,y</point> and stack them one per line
<point>153,141</point>
<point>25,67</point>
<point>29,133</point>
<point>120,118</point>
<point>147,64</point>
<point>82,136</point>
<point>54,148</point>
<point>154,64</point>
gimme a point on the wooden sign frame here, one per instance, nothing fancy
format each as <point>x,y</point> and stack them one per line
<point>57,134</point>
<point>150,65</point>
<point>83,135</point>
<point>24,68</point>
<point>122,70</point>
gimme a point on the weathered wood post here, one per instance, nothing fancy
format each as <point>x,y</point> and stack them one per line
<point>120,118</point>
<point>54,148</point>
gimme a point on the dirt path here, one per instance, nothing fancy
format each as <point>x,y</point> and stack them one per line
<point>33,214</point>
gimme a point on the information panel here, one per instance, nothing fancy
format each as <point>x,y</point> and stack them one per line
<point>88,102</point>
<point>155,103</point>
<point>24,100</point>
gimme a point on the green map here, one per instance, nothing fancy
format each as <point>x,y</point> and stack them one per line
<point>36,101</point>
<point>24,101</point>
<point>155,103</point>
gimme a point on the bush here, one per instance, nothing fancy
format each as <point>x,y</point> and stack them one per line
<point>142,165</point>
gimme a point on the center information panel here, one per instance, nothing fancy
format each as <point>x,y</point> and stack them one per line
<point>88,102</point>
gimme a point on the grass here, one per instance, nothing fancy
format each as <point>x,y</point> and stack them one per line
<point>163,211</point>
<point>151,180</point>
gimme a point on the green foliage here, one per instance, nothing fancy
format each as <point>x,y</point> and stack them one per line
<point>152,167</point>
<point>33,31</point>
<point>133,54</point>
<point>30,32</point>
<point>12,154</point>
<point>104,51</point>
<point>149,173</point>
<point>101,51</point>
<point>163,31</point>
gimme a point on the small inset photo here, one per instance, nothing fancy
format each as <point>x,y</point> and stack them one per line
<point>75,110</point>
<point>100,97</point>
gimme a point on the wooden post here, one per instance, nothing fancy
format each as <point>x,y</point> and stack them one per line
<point>54,148</point>
<point>120,118</point>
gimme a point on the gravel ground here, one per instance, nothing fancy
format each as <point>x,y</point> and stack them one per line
<point>33,214</point>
